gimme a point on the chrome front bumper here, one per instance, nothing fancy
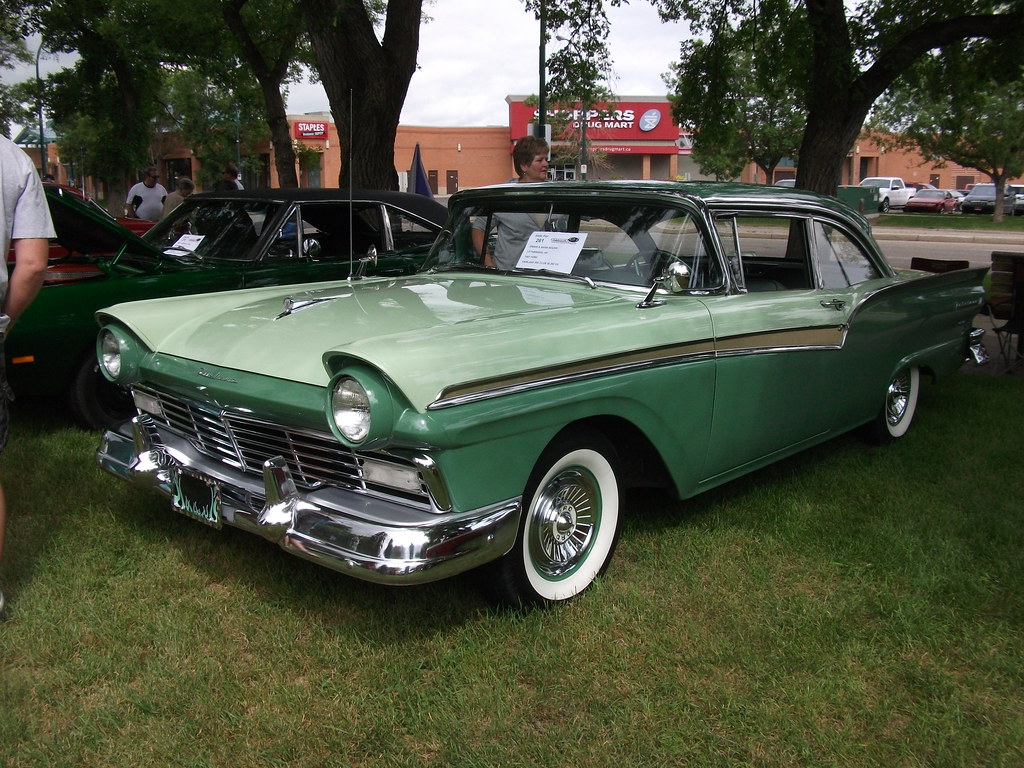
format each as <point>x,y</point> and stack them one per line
<point>363,536</point>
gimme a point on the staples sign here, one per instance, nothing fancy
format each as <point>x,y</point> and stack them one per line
<point>311,130</point>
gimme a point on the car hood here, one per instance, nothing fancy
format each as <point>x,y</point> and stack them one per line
<point>85,231</point>
<point>426,333</point>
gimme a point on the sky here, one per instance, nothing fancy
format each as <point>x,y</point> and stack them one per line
<point>473,53</point>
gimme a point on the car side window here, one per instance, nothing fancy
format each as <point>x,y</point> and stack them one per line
<point>766,253</point>
<point>407,231</point>
<point>328,225</point>
<point>841,262</point>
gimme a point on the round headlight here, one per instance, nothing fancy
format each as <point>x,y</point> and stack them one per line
<point>110,354</point>
<point>350,409</point>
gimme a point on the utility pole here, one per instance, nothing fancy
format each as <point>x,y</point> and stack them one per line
<point>39,102</point>
<point>542,98</point>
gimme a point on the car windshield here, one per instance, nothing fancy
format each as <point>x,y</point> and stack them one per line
<point>610,242</point>
<point>875,183</point>
<point>930,194</point>
<point>211,228</point>
<point>984,191</point>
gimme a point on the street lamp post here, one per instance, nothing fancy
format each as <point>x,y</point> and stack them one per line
<point>583,142</point>
<point>39,101</point>
<point>542,98</point>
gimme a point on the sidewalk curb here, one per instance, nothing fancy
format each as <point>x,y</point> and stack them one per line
<point>936,236</point>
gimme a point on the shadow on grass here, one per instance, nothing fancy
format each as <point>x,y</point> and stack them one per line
<point>826,500</point>
<point>55,494</point>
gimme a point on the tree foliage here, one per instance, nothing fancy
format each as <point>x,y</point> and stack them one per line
<point>12,51</point>
<point>270,37</point>
<point>216,121</point>
<point>124,87</point>
<point>980,127</point>
<point>840,55</point>
<point>578,70</point>
<point>746,113</point>
<point>108,100</point>
<point>844,55</point>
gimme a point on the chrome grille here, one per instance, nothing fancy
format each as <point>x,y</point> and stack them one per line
<point>314,458</point>
<point>203,428</point>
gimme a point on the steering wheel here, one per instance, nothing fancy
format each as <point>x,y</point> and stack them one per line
<point>646,264</point>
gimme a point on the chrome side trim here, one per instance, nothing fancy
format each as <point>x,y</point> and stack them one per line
<point>789,340</point>
<point>579,371</point>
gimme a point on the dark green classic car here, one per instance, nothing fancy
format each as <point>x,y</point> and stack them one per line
<point>212,242</point>
<point>401,430</point>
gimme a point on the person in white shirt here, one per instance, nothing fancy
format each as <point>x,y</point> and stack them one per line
<point>146,198</point>
<point>25,222</point>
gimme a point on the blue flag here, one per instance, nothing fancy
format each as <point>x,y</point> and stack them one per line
<point>418,181</point>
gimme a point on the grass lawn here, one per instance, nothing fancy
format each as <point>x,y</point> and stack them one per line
<point>852,606</point>
<point>967,222</point>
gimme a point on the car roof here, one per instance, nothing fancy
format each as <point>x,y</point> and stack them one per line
<point>419,205</point>
<point>714,193</point>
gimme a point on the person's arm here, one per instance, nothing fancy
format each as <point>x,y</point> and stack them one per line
<point>478,244</point>
<point>31,255</point>
<point>132,202</point>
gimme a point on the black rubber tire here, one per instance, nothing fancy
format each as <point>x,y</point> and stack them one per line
<point>96,403</point>
<point>569,526</point>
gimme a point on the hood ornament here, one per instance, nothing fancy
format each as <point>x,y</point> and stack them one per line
<point>294,305</point>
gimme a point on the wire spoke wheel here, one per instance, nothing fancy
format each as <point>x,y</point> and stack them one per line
<point>570,524</point>
<point>898,408</point>
<point>901,401</point>
<point>565,518</point>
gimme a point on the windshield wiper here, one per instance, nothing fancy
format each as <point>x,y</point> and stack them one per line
<point>180,253</point>
<point>460,265</point>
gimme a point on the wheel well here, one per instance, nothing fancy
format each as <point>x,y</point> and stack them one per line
<point>640,464</point>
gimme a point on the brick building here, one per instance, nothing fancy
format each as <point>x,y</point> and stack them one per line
<point>632,138</point>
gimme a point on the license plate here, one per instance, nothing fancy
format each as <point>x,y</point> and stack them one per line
<point>197,497</point>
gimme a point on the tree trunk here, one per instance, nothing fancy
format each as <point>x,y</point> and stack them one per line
<point>839,95</point>
<point>366,81</point>
<point>1000,183</point>
<point>280,136</point>
<point>270,75</point>
<point>827,141</point>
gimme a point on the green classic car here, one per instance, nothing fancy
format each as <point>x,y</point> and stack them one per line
<point>401,430</point>
<point>212,242</point>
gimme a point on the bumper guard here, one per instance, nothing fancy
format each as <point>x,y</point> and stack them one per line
<point>370,538</point>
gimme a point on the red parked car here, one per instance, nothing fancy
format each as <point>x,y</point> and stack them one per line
<point>933,201</point>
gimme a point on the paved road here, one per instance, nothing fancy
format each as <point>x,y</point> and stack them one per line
<point>901,245</point>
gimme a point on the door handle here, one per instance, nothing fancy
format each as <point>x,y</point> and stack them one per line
<point>835,304</point>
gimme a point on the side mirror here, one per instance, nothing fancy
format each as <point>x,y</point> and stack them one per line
<point>311,247</point>
<point>677,277</point>
<point>370,259</point>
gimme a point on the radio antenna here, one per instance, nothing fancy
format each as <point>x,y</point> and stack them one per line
<point>351,215</point>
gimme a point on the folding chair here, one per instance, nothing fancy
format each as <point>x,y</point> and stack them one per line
<point>1012,352</point>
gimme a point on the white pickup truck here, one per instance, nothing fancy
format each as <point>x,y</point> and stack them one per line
<point>892,191</point>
